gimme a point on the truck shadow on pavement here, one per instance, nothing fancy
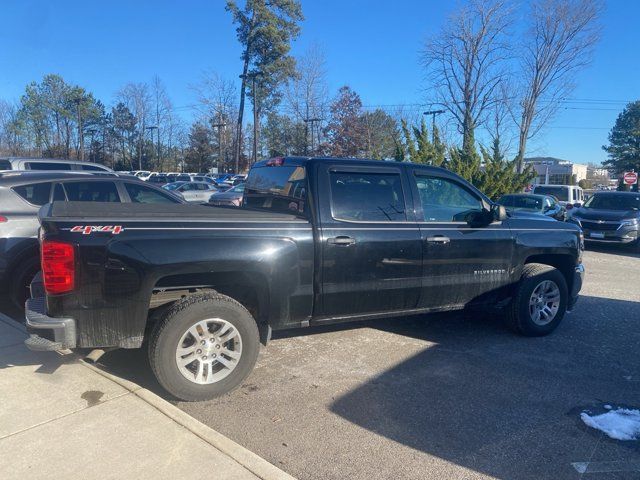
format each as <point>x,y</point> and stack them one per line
<point>505,405</point>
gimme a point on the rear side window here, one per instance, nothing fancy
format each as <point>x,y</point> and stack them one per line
<point>367,197</point>
<point>92,192</point>
<point>281,189</point>
<point>144,194</point>
<point>47,166</point>
<point>35,194</point>
<point>93,168</point>
<point>5,165</point>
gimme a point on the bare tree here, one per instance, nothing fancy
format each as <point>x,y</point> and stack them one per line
<point>136,97</point>
<point>466,62</point>
<point>217,106</point>
<point>307,94</point>
<point>560,41</point>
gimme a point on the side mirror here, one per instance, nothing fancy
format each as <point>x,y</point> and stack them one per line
<point>499,213</point>
<point>480,218</point>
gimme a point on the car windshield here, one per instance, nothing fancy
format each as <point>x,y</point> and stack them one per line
<point>560,193</point>
<point>614,202</point>
<point>173,186</point>
<point>521,202</point>
<point>237,188</point>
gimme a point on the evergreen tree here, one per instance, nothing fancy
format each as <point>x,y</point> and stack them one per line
<point>624,141</point>
<point>489,171</point>
<point>419,148</point>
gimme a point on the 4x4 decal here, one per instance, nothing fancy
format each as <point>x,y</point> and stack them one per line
<point>88,229</point>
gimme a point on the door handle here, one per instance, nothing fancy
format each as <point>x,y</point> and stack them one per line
<point>342,240</point>
<point>438,239</point>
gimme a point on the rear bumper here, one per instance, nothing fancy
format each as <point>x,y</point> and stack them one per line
<point>578,279</point>
<point>47,333</point>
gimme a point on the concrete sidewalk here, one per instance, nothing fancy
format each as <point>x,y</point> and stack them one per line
<point>63,418</point>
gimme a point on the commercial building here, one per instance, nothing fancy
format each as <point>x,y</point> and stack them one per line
<point>555,171</point>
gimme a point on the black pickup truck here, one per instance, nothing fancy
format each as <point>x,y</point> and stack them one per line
<point>316,241</point>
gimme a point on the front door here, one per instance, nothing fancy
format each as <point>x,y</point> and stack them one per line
<point>371,254</point>
<point>461,263</point>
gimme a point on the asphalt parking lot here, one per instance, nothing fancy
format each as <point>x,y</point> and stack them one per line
<point>447,396</point>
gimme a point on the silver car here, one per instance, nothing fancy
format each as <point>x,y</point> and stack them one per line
<point>195,192</point>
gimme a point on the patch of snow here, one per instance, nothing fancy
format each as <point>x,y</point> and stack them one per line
<point>608,407</point>
<point>619,424</point>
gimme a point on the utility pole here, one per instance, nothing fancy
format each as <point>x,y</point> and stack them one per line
<point>252,76</point>
<point>151,129</point>
<point>220,125</point>
<point>433,114</point>
<point>77,101</point>
<point>92,132</point>
<point>312,121</point>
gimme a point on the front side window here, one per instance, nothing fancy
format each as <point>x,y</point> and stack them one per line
<point>144,194</point>
<point>445,200</point>
<point>92,192</point>
<point>35,194</point>
<point>367,197</point>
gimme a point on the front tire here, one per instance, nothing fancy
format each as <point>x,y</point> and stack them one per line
<point>203,346</point>
<point>540,301</point>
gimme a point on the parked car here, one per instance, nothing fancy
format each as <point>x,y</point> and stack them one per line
<point>23,193</point>
<point>610,217</point>
<point>316,241</point>
<point>197,192</point>
<point>158,179</point>
<point>50,164</point>
<point>569,196</point>
<point>142,174</point>
<point>229,198</point>
<point>518,203</point>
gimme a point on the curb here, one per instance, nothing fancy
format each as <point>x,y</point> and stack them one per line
<point>249,460</point>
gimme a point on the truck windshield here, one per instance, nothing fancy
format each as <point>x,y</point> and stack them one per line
<point>614,202</point>
<point>561,193</point>
<point>278,188</point>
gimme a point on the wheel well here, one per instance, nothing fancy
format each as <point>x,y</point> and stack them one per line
<point>248,289</point>
<point>564,263</point>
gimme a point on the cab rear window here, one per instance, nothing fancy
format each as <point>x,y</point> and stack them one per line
<point>5,165</point>
<point>281,189</point>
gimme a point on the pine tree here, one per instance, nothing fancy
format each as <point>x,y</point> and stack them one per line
<point>624,141</point>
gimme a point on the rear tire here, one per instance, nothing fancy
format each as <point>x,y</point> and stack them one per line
<point>21,278</point>
<point>194,331</point>
<point>540,301</point>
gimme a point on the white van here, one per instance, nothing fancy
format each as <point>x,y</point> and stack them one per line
<point>50,164</point>
<point>568,196</point>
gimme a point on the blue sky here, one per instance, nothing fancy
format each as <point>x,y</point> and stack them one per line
<point>373,46</point>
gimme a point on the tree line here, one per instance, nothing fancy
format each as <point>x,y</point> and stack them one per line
<point>485,72</point>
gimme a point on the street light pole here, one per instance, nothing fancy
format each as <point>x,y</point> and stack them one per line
<point>252,76</point>
<point>433,114</point>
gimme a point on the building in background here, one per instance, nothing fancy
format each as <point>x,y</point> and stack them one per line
<point>554,171</point>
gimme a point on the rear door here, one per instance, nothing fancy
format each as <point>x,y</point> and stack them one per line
<point>461,263</point>
<point>371,256</point>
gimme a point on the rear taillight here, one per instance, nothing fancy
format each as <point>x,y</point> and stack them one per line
<point>58,266</point>
<point>3,219</point>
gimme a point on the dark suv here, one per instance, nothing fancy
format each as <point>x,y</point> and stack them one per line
<point>610,217</point>
<point>23,193</point>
